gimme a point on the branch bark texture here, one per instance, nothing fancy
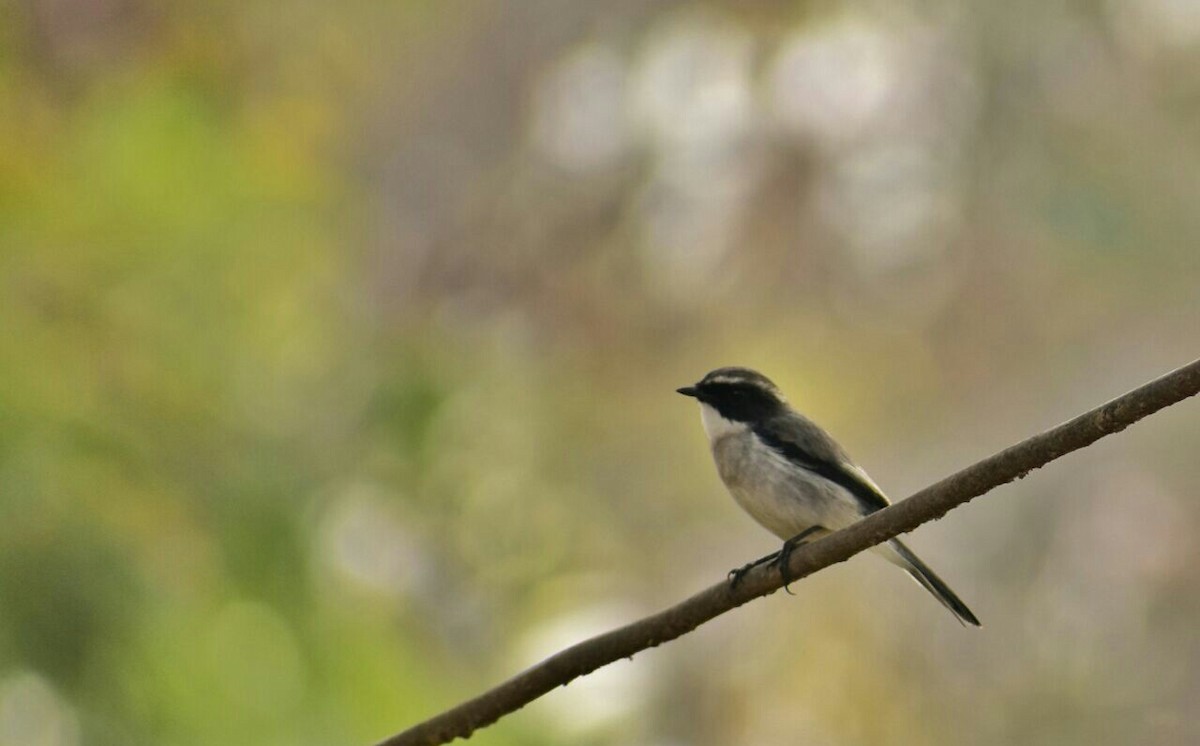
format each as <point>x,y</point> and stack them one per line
<point>929,504</point>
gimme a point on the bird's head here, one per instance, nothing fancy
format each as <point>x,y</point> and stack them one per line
<point>738,394</point>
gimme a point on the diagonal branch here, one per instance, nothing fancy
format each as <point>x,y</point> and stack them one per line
<point>929,504</point>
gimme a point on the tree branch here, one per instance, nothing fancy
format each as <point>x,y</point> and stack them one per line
<point>929,504</point>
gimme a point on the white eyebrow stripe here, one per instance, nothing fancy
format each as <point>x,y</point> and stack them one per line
<point>727,379</point>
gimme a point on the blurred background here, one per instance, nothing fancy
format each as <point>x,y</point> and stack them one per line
<point>339,343</point>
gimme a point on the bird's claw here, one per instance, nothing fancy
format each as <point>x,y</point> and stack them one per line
<point>778,559</point>
<point>781,563</point>
<point>736,575</point>
<point>785,554</point>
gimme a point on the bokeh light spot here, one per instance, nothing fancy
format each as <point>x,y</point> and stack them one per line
<point>32,713</point>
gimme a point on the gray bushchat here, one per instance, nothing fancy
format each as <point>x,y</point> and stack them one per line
<point>791,476</point>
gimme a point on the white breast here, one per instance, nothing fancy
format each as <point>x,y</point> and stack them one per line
<point>784,498</point>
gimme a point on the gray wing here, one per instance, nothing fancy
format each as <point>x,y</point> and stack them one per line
<point>802,442</point>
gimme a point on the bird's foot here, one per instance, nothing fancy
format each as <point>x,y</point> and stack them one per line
<point>783,555</point>
<point>736,575</point>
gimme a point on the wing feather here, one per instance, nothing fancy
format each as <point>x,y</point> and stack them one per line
<point>802,442</point>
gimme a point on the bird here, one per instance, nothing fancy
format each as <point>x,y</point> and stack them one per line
<point>792,477</point>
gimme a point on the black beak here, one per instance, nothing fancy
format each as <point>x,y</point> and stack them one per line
<point>689,391</point>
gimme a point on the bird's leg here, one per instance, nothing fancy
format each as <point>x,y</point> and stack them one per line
<point>784,554</point>
<point>736,575</point>
<point>779,558</point>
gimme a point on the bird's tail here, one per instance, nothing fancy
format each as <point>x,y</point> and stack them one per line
<point>896,552</point>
